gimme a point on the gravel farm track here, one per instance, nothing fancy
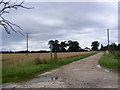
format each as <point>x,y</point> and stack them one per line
<point>80,74</point>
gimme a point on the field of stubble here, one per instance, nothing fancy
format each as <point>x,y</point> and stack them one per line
<point>10,58</point>
<point>17,67</point>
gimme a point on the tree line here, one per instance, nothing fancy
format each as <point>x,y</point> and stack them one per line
<point>111,47</point>
<point>70,46</point>
<point>64,46</point>
<point>73,46</point>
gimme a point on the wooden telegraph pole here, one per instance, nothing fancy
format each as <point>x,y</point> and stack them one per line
<point>27,43</point>
<point>108,38</point>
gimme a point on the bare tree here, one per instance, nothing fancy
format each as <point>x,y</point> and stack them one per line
<point>5,7</point>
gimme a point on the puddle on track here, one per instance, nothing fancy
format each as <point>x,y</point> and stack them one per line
<point>44,79</point>
<point>105,70</point>
<point>35,80</point>
<point>7,84</point>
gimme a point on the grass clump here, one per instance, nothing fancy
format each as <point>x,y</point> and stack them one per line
<point>109,61</point>
<point>116,54</point>
<point>27,69</point>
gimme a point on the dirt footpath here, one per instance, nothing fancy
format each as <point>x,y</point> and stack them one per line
<point>80,74</point>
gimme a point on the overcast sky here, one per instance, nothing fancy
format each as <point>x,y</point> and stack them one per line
<point>84,22</point>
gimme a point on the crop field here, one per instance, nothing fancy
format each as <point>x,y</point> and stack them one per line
<point>17,67</point>
<point>11,58</point>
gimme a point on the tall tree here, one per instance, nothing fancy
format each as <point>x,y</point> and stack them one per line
<point>54,47</point>
<point>95,45</point>
<point>62,46</point>
<point>51,47</point>
<point>5,7</point>
<point>73,46</point>
<point>103,48</point>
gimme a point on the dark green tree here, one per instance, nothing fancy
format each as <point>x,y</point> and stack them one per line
<point>119,47</point>
<point>103,48</point>
<point>51,47</point>
<point>113,47</point>
<point>95,45</point>
<point>73,46</point>
<point>54,47</point>
<point>62,46</point>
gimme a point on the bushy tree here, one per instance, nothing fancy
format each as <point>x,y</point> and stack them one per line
<point>54,47</point>
<point>73,46</point>
<point>113,47</point>
<point>62,46</point>
<point>95,45</point>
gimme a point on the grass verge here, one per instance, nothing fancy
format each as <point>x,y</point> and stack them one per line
<point>28,69</point>
<point>109,61</point>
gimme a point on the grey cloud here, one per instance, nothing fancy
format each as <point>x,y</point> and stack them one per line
<point>84,22</point>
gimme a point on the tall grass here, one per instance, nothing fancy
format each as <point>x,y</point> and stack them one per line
<point>27,69</point>
<point>109,61</point>
<point>116,54</point>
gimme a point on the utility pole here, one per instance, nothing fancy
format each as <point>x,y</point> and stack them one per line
<point>108,38</point>
<point>27,43</point>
